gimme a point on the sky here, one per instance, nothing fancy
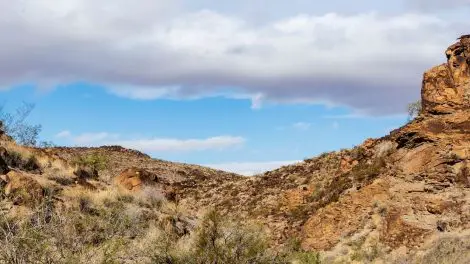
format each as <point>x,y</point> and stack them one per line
<point>244,86</point>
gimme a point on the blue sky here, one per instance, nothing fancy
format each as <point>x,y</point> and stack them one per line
<point>233,85</point>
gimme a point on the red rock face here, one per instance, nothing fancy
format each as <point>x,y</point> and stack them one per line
<point>446,88</point>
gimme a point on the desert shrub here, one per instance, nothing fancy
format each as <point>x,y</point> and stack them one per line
<point>446,249</point>
<point>384,149</point>
<point>31,164</point>
<point>358,153</point>
<point>217,240</point>
<point>13,159</point>
<point>293,253</point>
<point>367,254</point>
<point>414,109</point>
<point>305,257</point>
<point>90,232</point>
<point>89,166</point>
<point>150,197</point>
<point>93,161</point>
<point>22,242</point>
<point>364,172</point>
<point>17,160</point>
<point>220,242</point>
<point>125,198</point>
<point>63,180</point>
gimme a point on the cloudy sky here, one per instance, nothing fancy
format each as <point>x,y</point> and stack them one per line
<point>241,85</point>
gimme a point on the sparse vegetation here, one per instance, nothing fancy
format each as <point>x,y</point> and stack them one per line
<point>89,166</point>
<point>15,125</point>
<point>414,109</point>
<point>19,161</point>
<point>93,161</point>
<point>365,171</point>
<point>85,233</point>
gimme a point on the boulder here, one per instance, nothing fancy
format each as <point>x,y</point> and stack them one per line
<point>446,88</point>
<point>22,189</point>
<point>133,179</point>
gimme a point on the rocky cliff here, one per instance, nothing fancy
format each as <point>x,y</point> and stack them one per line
<point>446,88</point>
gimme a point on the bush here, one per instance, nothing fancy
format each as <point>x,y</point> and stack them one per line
<point>89,166</point>
<point>16,160</point>
<point>88,232</point>
<point>94,161</point>
<point>219,241</point>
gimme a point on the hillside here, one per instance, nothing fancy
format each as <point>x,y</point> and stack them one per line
<point>406,191</point>
<point>403,198</point>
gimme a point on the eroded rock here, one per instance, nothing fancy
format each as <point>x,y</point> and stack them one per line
<point>446,88</point>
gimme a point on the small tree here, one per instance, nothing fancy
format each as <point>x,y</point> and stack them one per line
<point>414,109</point>
<point>15,125</point>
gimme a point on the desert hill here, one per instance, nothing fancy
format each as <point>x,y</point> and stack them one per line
<point>403,198</point>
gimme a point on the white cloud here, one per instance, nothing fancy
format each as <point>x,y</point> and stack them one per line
<point>302,126</point>
<point>64,134</point>
<point>182,145</point>
<point>250,168</point>
<point>257,101</point>
<point>153,144</point>
<point>147,50</point>
<point>143,93</point>
<point>94,138</point>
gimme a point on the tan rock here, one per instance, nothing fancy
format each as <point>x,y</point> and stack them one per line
<point>22,189</point>
<point>133,179</point>
<point>446,88</point>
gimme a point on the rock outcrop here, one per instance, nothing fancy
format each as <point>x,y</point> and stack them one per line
<point>133,179</point>
<point>446,88</point>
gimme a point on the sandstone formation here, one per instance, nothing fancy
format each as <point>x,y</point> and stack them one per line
<point>446,88</point>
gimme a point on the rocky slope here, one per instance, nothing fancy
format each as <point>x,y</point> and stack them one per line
<point>403,198</point>
<point>401,193</point>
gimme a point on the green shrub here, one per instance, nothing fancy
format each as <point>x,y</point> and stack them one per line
<point>93,161</point>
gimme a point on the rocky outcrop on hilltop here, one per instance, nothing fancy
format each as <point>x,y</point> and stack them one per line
<point>446,88</point>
